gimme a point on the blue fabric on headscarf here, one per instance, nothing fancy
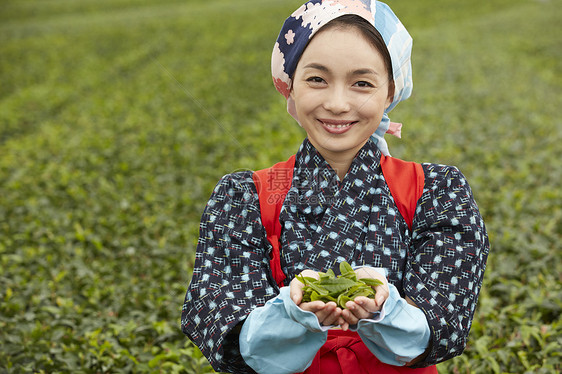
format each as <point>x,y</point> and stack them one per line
<point>301,26</point>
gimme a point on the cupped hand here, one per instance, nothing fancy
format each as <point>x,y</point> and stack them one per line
<point>328,314</point>
<point>364,307</point>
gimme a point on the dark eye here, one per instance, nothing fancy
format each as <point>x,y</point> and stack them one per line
<point>363,84</point>
<point>315,80</point>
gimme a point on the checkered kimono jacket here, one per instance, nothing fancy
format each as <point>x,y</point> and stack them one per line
<point>439,263</point>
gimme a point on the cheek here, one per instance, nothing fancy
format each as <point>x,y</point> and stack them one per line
<point>306,99</point>
<point>375,107</point>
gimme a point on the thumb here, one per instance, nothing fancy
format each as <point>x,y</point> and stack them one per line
<point>295,291</point>
<point>382,293</point>
<point>296,299</point>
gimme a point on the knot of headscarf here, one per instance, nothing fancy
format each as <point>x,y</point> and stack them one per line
<point>301,26</point>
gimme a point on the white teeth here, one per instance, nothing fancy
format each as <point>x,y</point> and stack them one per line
<point>338,126</point>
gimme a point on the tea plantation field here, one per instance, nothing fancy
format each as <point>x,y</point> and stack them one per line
<point>118,117</point>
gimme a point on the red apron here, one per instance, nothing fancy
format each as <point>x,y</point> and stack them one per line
<point>345,353</point>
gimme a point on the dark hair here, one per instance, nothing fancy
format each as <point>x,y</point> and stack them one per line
<point>371,34</point>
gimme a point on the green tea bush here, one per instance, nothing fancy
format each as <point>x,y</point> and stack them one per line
<point>117,118</point>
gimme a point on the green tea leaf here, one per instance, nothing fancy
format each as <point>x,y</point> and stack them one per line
<point>342,300</point>
<point>340,289</point>
<point>315,296</point>
<point>345,267</point>
<point>371,282</point>
<point>338,285</point>
<point>319,288</point>
<point>327,275</point>
<point>366,291</point>
<point>306,280</point>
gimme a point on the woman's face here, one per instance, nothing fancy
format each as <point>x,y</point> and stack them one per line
<point>340,90</point>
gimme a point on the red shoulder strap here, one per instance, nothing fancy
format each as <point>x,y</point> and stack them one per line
<point>405,181</point>
<point>272,185</point>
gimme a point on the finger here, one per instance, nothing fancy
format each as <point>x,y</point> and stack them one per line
<point>349,317</point>
<point>323,314</point>
<point>296,286</point>
<point>330,315</point>
<point>365,307</point>
<point>381,294</point>
<point>358,310</point>
<point>313,306</point>
<point>295,290</point>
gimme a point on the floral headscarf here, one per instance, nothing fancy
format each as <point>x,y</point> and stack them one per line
<point>301,26</point>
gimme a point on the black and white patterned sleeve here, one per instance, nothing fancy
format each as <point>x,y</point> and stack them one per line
<point>231,273</point>
<point>446,260</point>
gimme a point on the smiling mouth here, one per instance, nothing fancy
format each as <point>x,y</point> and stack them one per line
<point>337,126</point>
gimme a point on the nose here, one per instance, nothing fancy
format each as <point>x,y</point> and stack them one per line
<point>336,100</point>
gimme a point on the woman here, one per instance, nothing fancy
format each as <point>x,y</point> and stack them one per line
<point>342,65</point>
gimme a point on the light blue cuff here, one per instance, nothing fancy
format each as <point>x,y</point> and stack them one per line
<point>399,334</point>
<point>280,337</point>
<point>305,318</point>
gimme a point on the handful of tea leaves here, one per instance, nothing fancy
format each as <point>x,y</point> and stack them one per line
<point>341,289</point>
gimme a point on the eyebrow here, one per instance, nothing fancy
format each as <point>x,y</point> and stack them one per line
<point>363,71</point>
<point>316,66</point>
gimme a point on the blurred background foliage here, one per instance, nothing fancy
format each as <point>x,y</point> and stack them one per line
<point>118,117</point>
